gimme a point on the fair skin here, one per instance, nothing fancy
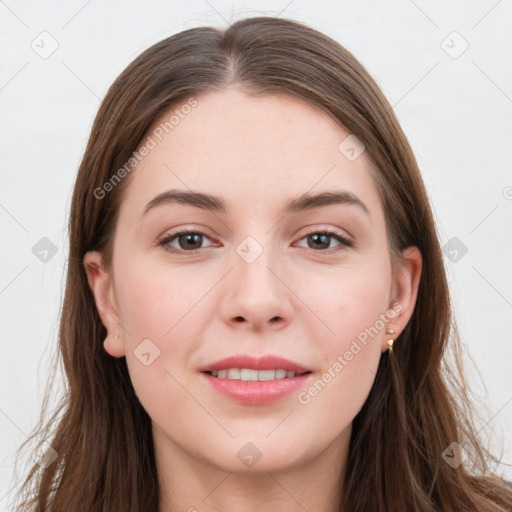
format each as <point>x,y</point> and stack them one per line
<point>304,298</point>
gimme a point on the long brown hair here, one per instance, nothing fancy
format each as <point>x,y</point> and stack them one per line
<point>419,403</point>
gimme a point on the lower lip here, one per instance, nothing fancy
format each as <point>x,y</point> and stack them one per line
<point>257,392</point>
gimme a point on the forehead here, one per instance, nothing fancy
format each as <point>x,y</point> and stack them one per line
<point>246,149</point>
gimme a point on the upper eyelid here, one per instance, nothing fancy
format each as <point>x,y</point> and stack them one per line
<point>333,231</point>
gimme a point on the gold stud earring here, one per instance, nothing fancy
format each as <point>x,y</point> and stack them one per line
<point>390,345</point>
<point>390,331</point>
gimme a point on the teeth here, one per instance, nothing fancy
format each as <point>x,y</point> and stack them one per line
<point>234,373</point>
<point>281,374</point>
<point>267,375</point>
<point>246,374</point>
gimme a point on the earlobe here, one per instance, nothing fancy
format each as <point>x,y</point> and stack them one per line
<point>114,346</point>
<point>102,289</point>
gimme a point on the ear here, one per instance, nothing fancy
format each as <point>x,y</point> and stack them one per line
<point>103,290</point>
<point>406,280</point>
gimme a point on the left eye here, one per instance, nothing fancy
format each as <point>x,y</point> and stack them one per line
<point>322,240</point>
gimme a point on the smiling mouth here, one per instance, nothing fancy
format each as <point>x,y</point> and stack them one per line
<point>248,374</point>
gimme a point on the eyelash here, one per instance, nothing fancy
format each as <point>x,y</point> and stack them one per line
<point>169,238</point>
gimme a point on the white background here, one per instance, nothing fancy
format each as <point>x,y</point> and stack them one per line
<point>455,111</point>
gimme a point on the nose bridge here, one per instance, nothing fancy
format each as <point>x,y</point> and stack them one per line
<point>252,262</point>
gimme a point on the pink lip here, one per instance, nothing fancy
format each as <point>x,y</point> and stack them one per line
<point>256,392</point>
<point>262,363</point>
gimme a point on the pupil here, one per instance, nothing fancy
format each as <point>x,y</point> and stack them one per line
<point>322,238</point>
<point>187,241</point>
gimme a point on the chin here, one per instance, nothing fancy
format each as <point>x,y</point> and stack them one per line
<point>249,456</point>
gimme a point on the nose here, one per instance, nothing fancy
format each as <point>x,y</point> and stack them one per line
<point>255,295</point>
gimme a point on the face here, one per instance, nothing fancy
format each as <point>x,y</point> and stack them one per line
<point>261,271</point>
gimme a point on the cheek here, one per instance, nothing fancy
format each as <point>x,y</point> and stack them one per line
<point>156,303</point>
<point>354,307</point>
<point>163,314</point>
<point>351,301</point>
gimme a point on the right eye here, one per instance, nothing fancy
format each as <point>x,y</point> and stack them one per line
<point>183,241</point>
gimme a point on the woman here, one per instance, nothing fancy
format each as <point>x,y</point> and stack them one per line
<point>256,312</point>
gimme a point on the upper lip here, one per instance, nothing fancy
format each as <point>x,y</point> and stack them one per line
<point>262,363</point>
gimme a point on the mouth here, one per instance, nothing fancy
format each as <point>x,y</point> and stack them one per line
<point>255,381</point>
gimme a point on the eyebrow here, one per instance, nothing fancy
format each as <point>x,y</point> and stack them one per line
<point>307,201</point>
